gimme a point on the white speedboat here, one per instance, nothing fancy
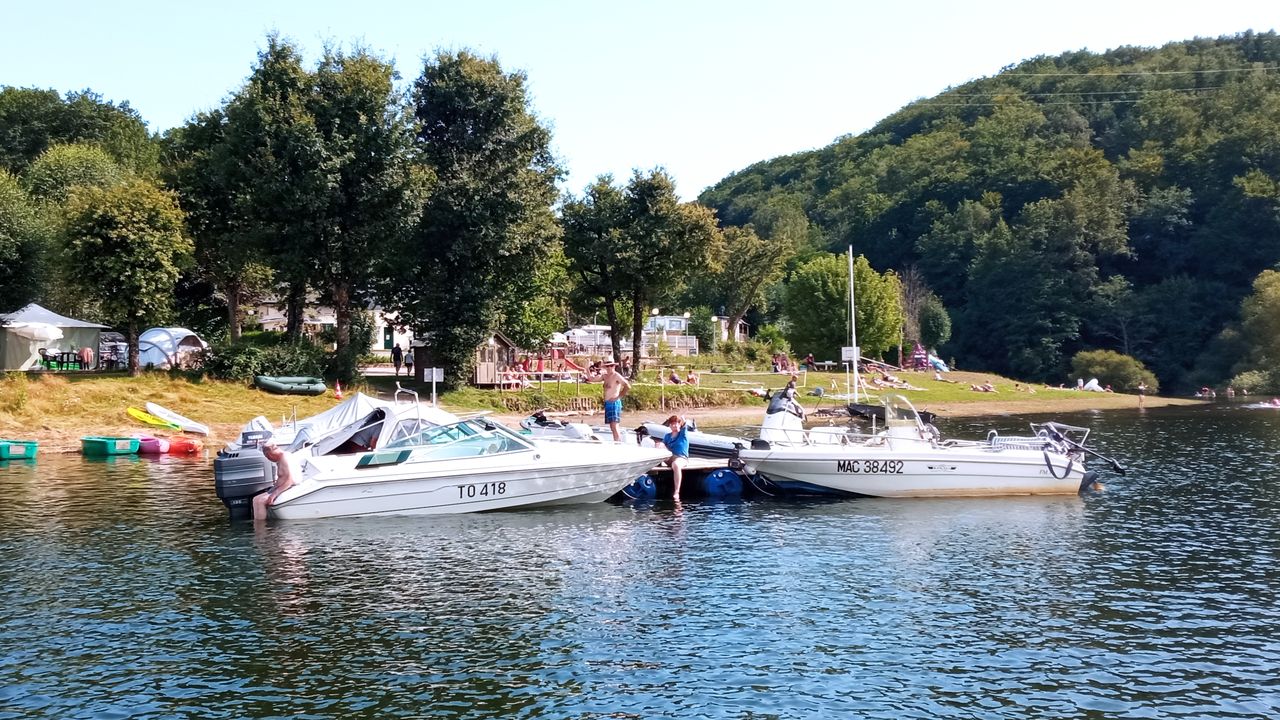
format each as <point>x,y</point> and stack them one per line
<point>360,423</point>
<point>909,459</point>
<point>467,466</point>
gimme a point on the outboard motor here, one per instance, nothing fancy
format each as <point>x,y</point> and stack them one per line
<point>241,473</point>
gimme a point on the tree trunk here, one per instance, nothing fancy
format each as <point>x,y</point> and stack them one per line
<point>295,304</point>
<point>235,293</point>
<point>342,315</point>
<point>611,311</point>
<point>637,327</point>
<point>131,336</point>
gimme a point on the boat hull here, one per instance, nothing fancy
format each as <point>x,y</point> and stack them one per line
<point>887,472</point>
<point>334,487</point>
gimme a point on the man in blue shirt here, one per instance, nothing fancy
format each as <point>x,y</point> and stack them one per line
<point>677,441</point>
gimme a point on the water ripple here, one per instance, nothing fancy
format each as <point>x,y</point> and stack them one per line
<point>127,594</point>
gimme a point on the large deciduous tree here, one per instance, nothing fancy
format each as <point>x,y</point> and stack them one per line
<point>639,246</point>
<point>279,160</point>
<point>213,191</point>
<point>368,200</point>
<point>487,225</point>
<point>32,121</point>
<point>61,168</point>
<point>21,238</point>
<point>817,302</point>
<point>125,246</point>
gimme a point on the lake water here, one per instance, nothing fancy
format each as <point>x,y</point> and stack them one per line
<point>124,592</point>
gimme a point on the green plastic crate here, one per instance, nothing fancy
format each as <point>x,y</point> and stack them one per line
<point>95,445</point>
<point>18,449</point>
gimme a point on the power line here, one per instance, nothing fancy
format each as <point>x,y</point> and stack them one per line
<point>1141,91</point>
<point>1136,72</point>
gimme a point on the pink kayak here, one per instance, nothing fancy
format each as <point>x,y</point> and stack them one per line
<point>152,445</point>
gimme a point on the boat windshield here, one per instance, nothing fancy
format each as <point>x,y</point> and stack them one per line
<point>898,411</point>
<point>466,437</point>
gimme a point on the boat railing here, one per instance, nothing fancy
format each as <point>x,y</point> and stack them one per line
<point>414,394</point>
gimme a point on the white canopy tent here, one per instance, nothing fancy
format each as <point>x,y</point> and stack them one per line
<point>18,341</point>
<point>164,348</point>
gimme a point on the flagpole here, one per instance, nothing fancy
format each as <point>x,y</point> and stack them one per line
<point>853,327</point>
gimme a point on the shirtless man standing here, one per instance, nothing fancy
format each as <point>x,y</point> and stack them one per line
<point>615,388</point>
<point>284,480</point>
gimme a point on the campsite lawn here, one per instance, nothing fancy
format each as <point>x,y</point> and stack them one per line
<point>58,408</point>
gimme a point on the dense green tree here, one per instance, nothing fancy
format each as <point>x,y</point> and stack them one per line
<point>751,264</point>
<point>50,180</point>
<point>1177,317</point>
<point>1260,320</point>
<point>61,168</point>
<point>638,245</point>
<point>1120,372</point>
<point>125,246</point>
<point>369,198</point>
<point>595,246</point>
<point>277,157</point>
<point>213,190</point>
<point>817,306</point>
<point>487,222</point>
<point>935,322</point>
<point>32,121</point>
<point>22,236</point>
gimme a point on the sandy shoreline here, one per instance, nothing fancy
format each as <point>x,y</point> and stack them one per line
<point>741,415</point>
<point>67,439</point>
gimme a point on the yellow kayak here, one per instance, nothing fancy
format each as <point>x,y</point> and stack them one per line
<point>148,418</point>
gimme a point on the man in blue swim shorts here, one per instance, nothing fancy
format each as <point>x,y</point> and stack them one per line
<point>615,388</point>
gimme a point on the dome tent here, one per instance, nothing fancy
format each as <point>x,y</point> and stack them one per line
<point>163,348</point>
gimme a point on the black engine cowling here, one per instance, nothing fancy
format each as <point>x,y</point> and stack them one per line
<point>240,474</point>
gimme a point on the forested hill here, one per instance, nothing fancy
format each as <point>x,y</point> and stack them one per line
<point>1123,200</point>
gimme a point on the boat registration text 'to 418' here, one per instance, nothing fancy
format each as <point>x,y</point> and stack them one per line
<point>492,489</point>
<point>870,467</point>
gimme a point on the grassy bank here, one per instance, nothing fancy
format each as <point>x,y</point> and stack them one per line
<point>57,409</point>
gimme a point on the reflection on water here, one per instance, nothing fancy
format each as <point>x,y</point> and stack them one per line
<point>127,593</point>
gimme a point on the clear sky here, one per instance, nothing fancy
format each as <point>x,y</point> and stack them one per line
<point>699,87</point>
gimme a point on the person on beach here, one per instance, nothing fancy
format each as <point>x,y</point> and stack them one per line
<point>616,387</point>
<point>397,357</point>
<point>677,441</point>
<point>1142,392</point>
<point>284,480</point>
<point>408,362</point>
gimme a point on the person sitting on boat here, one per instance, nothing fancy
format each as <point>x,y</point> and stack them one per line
<point>285,474</point>
<point>785,401</point>
<point>677,441</point>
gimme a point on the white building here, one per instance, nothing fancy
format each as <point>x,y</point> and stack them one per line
<point>270,314</point>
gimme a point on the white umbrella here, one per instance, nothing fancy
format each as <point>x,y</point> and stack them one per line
<point>38,333</point>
